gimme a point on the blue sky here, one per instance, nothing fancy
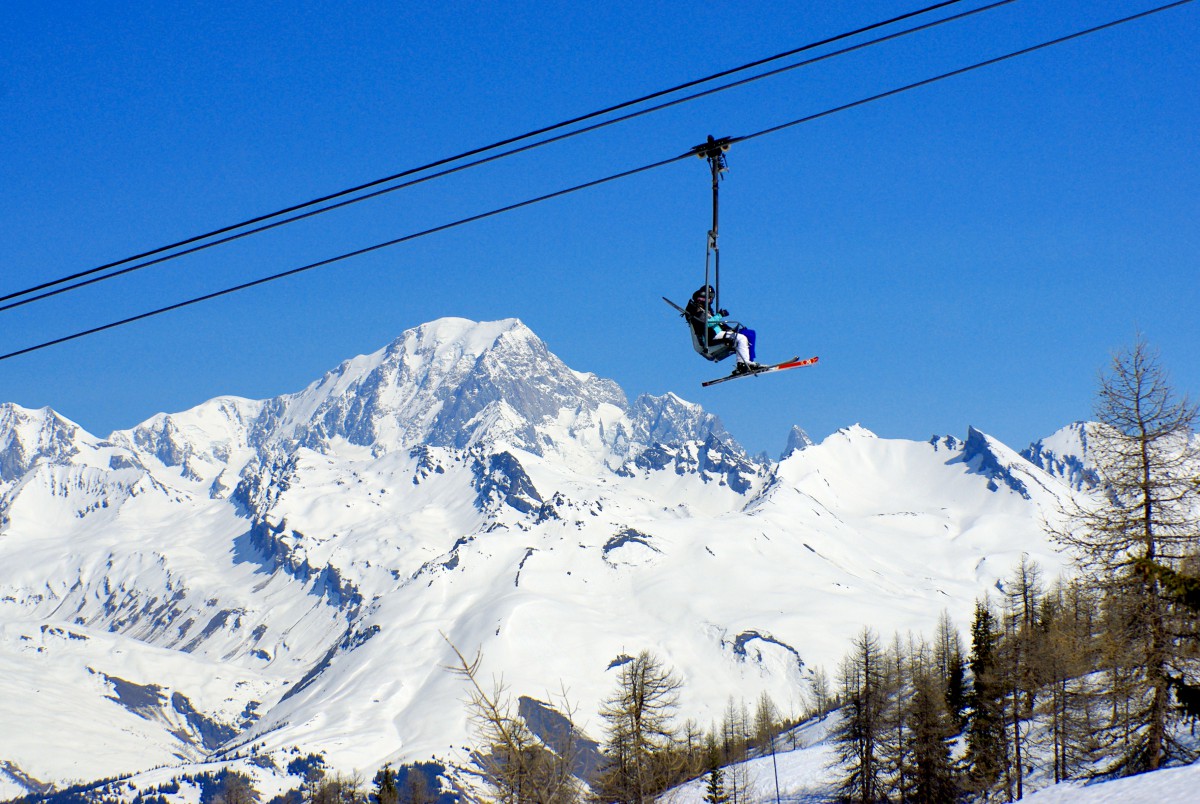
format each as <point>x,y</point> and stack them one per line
<point>968,253</point>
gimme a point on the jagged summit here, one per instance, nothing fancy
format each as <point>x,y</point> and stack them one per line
<point>854,432</point>
<point>797,440</point>
<point>671,419</point>
<point>1064,454</point>
<point>989,457</point>
<point>450,382</point>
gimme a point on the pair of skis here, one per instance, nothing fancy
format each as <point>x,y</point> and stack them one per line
<point>795,362</point>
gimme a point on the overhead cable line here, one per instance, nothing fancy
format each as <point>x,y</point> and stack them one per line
<point>358,253</point>
<point>624,174</point>
<point>960,71</point>
<point>496,156</point>
<point>474,151</point>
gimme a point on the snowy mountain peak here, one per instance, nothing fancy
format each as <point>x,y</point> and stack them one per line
<point>28,436</point>
<point>201,440</point>
<point>855,432</point>
<point>668,419</point>
<point>450,382</point>
<point>1006,467</point>
<point>989,457</point>
<point>797,440</point>
<point>463,336</point>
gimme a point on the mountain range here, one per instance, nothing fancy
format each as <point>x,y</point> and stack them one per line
<point>281,577</point>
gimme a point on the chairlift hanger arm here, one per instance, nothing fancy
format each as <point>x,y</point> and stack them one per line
<point>714,150</point>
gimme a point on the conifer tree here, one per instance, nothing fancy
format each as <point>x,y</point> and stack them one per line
<point>858,736</point>
<point>385,787</point>
<point>766,726</point>
<point>1183,587</point>
<point>1148,459</point>
<point>735,743</point>
<point>236,788</point>
<point>1068,657</point>
<point>1019,659</point>
<point>948,660</point>
<point>693,754</point>
<point>956,691</point>
<point>893,757</point>
<point>932,729</point>
<point>714,777</point>
<point>338,789</point>
<point>640,749</point>
<point>714,792</point>
<point>417,790</point>
<point>986,756</point>
<point>819,690</point>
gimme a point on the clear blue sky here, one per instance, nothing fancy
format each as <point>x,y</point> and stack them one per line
<point>968,253</point>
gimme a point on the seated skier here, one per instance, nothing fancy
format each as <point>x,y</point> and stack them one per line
<point>710,327</point>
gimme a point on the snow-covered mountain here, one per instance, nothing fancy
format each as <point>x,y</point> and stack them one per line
<point>272,575</point>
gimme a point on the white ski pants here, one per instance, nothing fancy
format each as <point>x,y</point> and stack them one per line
<point>740,344</point>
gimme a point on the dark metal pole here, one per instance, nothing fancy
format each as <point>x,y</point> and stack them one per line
<point>714,161</point>
<point>714,151</point>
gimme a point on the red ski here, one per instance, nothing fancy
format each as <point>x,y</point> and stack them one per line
<point>795,362</point>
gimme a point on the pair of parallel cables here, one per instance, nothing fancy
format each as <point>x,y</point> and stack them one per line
<point>384,185</point>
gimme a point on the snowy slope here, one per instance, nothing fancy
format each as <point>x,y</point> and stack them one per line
<point>1168,786</point>
<point>808,773</point>
<point>279,573</point>
<point>805,773</point>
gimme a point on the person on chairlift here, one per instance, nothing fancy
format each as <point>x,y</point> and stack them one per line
<point>710,328</point>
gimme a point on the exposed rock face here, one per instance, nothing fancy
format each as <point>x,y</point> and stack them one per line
<point>31,436</point>
<point>1064,455</point>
